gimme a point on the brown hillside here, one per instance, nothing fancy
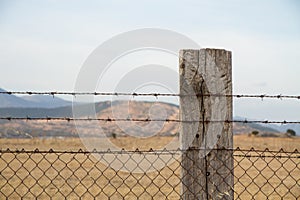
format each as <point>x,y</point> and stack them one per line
<point>119,109</point>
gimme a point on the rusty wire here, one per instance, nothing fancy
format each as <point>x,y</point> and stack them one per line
<point>53,93</point>
<point>28,118</point>
<point>236,151</point>
<point>32,174</point>
<point>262,174</point>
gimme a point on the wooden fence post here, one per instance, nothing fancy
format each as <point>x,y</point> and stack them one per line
<point>207,161</point>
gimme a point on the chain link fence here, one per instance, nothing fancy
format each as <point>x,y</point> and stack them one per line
<point>138,174</point>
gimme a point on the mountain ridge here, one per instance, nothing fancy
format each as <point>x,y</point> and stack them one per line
<point>39,106</point>
<point>31,101</point>
<point>106,109</point>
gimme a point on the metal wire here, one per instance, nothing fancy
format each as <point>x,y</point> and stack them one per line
<point>256,174</point>
<point>53,93</point>
<point>145,120</point>
<point>236,151</point>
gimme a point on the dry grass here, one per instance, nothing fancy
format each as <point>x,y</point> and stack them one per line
<point>272,143</point>
<point>83,175</point>
<point>242,141</point>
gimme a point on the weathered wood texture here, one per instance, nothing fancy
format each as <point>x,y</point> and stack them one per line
<point>207,169</point>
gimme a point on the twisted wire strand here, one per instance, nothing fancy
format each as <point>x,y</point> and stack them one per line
<point>53,93</point>
<point>145,120</point>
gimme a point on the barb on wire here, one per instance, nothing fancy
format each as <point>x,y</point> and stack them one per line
<point>150,174</point>
<point>260,152</point>
<point>146,120</point>
<point>53,93</point>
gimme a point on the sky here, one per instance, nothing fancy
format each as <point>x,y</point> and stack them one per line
<point>43,44</point>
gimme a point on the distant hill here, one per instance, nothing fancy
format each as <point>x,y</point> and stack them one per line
<point>31,101</point>
<point>265,128</point>
<point>284,127</point>
<point>47,106</point>
<point>46,101</point>
<point>240,128</point>
<point>65,111</point>
<point>7,100</point>
<point>138,109</point>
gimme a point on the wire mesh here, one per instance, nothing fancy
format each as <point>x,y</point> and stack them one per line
<point>89,175</point>
<point>254,174</point>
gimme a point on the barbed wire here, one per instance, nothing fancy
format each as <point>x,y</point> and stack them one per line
<point>238,152</point>
<point>262,96</point>
<point>150,150</point>
<point>145,120</point>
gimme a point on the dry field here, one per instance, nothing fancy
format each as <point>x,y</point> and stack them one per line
<point>72,176</point>
<point>131,143</point>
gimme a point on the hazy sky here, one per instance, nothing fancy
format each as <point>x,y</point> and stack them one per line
<point>43,44</point>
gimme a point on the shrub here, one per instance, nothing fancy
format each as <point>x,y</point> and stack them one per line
<point>255,133</point>
<point>291,132</point>
<point>114,135</point>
